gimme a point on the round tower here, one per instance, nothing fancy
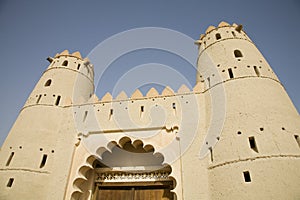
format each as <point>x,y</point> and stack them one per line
<point>257,155</point>
<point>36,156</point>
<point>68,79</point>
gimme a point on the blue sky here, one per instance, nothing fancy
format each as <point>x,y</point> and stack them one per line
<point>33,30</point>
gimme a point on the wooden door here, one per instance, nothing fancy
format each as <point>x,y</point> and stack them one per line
<point>134,193</point>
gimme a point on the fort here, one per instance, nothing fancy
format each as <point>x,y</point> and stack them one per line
<point>235,135</point>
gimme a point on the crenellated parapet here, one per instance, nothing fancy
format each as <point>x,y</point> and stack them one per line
<point>223,31</point>
<point>151,111</point>
<point>72,61</point>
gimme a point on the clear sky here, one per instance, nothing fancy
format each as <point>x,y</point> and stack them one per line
<point>30,31</point>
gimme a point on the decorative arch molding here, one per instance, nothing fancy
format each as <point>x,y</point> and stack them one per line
<point>85,176</point>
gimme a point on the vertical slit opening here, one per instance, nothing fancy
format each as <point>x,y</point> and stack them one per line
<point>253,145</point>
<point>10,158</point>
<point>297,138</point>
<point>230,73</point>
<point>208,81</point>
<point>256,71</point>
<point>57,100</point>
<point>39,98</point>
<point>211,154</point>
<point>142,108</point>
<point>78,66</point>
<point>111,112</point>
<point>247,176</point>
<point>233,33</point>
<point>43,162</point>
<point>10,182</point>
<point>85,115</point>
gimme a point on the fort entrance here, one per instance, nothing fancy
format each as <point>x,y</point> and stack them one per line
<point>132,172</point>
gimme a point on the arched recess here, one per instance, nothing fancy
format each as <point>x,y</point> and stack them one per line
<point>125,168</point>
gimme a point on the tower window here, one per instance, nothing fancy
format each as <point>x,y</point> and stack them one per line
<point>85,115</point>
<point>10,182</point>
<point>142,108</point>
<point>208,81</point>
<point>247,176</point>
<point>39,98</point>
<point>230,73</point>
<point>233,33</point>
<point>297,138</point>
<point>43,162</point>
<point>218,36</point>
<point>48,83</point>
<point>238,53</point>
<point>78,66</point>
<point>211,154</point>
<point>57,100</point>
<point>253,145</point>
<point>256,71</point>
<point>10,158</point>
<point>65,63</point>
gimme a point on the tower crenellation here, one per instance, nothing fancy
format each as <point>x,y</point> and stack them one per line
<point>65,72</point>
<point>227,53</point>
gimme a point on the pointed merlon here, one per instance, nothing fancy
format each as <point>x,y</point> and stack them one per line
<point>137,94</point>
<point>68,101</point>
<point>198,87</point>
<point>152,93</point>
<point>64,53</point>
<point>77,54</point>
<point>183,89</point>
<point>167,91</point>
<point>93,99</point>
<point>122,96</point>
<point>107,97</point>
<point>223,24</point>
<point>210,28</point>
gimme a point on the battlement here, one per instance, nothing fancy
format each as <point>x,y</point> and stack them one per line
<point>223,31</point>
<point>73,61</point>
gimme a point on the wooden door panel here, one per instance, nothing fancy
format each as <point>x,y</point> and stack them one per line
<point>115,194</point>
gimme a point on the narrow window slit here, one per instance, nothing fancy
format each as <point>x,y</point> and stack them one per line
<point>85,115</point>
<point>253,145</point>
<point>233,33</point>
<point>39,98</point>
<point>57,100</point>
<point>10,182</point>
<point>10,158</point>
<point>78,66</point>
<point>111,112</point>
<point>43,162</point>
<point>142,108</point>
<point>208,81</point>
<point>218,36</point>
<point>256,71</point>
<point>230,73</point>
<point>297,138</point>
<point>247,176</point>
<point>211,154</point>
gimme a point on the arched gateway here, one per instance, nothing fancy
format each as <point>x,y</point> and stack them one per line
<point>128,170</point>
